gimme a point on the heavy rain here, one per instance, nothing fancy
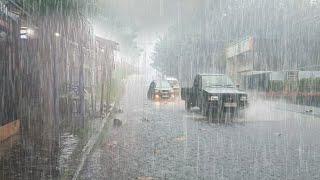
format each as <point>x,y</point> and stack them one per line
<point>159,89</point>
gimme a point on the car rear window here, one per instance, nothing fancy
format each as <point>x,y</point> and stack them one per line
<point>173,82</point>
<point>163,84</point>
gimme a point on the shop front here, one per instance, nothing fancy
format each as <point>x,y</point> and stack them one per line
<point>9,68</point>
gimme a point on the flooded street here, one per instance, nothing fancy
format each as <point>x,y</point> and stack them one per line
<point>159,89</point>
<point>160,140</point>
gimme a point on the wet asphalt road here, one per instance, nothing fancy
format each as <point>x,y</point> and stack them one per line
<point>160,140</point>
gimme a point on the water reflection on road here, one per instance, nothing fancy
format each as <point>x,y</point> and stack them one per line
<point>161,140</point>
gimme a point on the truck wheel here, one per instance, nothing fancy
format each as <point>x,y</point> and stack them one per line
<point>215,115</point>
<point>243,115</point>
<point>235,114</point>
<point>188,105</point>
<point>204,110</point>
<point>210,115</point>
<point>221,117</point>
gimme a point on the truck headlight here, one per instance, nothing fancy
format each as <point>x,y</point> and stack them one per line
<point>213,98</point>
<point>243,98</point>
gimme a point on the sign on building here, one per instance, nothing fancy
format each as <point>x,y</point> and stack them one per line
<point>240,47</point>
<point>292,75</point>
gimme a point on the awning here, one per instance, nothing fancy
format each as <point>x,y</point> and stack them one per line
<point>4,11</point>
<point>249,73</point>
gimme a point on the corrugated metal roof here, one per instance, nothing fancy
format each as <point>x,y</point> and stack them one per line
<point>309,74</point>
<point>107,43</point>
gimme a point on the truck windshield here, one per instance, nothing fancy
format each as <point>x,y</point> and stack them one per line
<point>173,83</point>
<point>216,81</point>
<point>163,85</point>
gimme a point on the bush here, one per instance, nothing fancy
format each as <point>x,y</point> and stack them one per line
<point>45,7</point>
<point>275,86</point>
<point>309,85</point>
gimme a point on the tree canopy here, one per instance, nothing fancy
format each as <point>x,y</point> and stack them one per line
<point>65,7</point>
<point>199,41</point>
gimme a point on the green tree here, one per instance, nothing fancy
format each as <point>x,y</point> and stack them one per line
<point>64,7</point>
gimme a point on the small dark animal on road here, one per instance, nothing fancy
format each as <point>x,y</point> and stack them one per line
<point>309,111</point>
<point>145,119</point>
<point>117,122</point>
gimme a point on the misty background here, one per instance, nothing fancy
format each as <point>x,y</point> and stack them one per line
<point>185,34</point>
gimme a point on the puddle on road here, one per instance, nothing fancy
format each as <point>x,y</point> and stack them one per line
<point>180,138</point>
<point>112,144</point>
<point>156,152</point>
<point>194,115</point>
<point>145,178</point>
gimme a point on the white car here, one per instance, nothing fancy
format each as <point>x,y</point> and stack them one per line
<point>160,90</point>
<point>174,83</point>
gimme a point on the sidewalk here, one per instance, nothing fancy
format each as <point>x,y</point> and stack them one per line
<point>23,161</point>
<point>75,162</point>
<point>303,109</point>
<point>284,105</point>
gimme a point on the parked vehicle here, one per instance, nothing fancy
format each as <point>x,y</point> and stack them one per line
<point>214,94</point>
<point>160,90</point>
<point>174,83</point>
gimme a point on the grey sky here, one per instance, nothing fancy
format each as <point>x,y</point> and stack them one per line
<point>150,18</point>
<point>151,12</point>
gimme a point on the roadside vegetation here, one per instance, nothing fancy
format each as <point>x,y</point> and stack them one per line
<point>115,86</point>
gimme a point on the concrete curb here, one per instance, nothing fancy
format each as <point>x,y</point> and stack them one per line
<point>90,144</point>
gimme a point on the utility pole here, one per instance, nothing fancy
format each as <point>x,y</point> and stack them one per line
<point>56,114</point>
<point>81,87</point>
<point>103,79</point>
<point>109,74</point>
<point>57,48</point>
<point>92,55</point>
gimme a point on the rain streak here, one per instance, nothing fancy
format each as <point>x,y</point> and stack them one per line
<point>159,89</point>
